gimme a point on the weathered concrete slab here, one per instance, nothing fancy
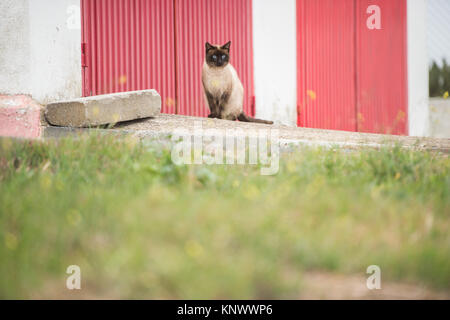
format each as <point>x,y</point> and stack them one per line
<point>104,109</point>
<point>162,127</point>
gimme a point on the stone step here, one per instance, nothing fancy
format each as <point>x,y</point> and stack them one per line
<point>104,109</point>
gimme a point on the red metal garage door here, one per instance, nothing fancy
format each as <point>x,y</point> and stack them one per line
<point>382,69</point>
<point>129,46</point>
<point>216,21</point>
<point>326,64</point>
<point>159,44</point>
<point>351,77</point>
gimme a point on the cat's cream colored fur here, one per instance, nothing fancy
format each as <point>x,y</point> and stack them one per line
<point>219,81</point>
<point>223,89</point>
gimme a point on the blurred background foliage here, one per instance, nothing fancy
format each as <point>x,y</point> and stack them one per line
<point>439,79</point>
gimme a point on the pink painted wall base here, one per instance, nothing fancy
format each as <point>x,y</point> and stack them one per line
<point>20,117</point>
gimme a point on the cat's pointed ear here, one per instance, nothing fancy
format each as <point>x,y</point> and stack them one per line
<point>226,46</point>
<point>208,46</point>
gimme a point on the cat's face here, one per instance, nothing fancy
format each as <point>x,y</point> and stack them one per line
<point>217,56</point>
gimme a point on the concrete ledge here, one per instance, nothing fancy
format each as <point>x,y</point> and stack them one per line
<point>104,109</point>
<point>20,117</point>
<point>160,129</point>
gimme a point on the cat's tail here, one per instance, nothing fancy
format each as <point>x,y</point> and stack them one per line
<point>245,118</point>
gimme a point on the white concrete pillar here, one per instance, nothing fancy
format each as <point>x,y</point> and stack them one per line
<point>275,60</point>
<point>418,109</point>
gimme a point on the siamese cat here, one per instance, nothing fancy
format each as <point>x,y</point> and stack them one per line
<point>223,89</point>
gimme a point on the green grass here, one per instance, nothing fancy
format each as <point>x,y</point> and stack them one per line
<point>141,227</point>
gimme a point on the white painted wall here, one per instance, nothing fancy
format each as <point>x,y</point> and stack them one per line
<point>275,60</point>
<point>14,44</point>
<point>40,52</point>
<point>418,109</point>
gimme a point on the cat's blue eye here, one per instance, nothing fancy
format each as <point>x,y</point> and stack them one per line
<point>223,57</point>
<point>214,57</point>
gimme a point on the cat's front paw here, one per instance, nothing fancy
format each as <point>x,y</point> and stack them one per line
<point>213,115</point>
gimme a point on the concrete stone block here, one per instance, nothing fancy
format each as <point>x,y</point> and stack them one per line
<point>104,109</point>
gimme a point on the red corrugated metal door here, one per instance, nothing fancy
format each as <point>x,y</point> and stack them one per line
<point>215,21</point>
<point>351,77</point>
<point>129,45</point>
<point>326,64</point>
<point>382,68</point>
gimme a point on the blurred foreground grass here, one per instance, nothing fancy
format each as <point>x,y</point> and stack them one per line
<point>141,227</point>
